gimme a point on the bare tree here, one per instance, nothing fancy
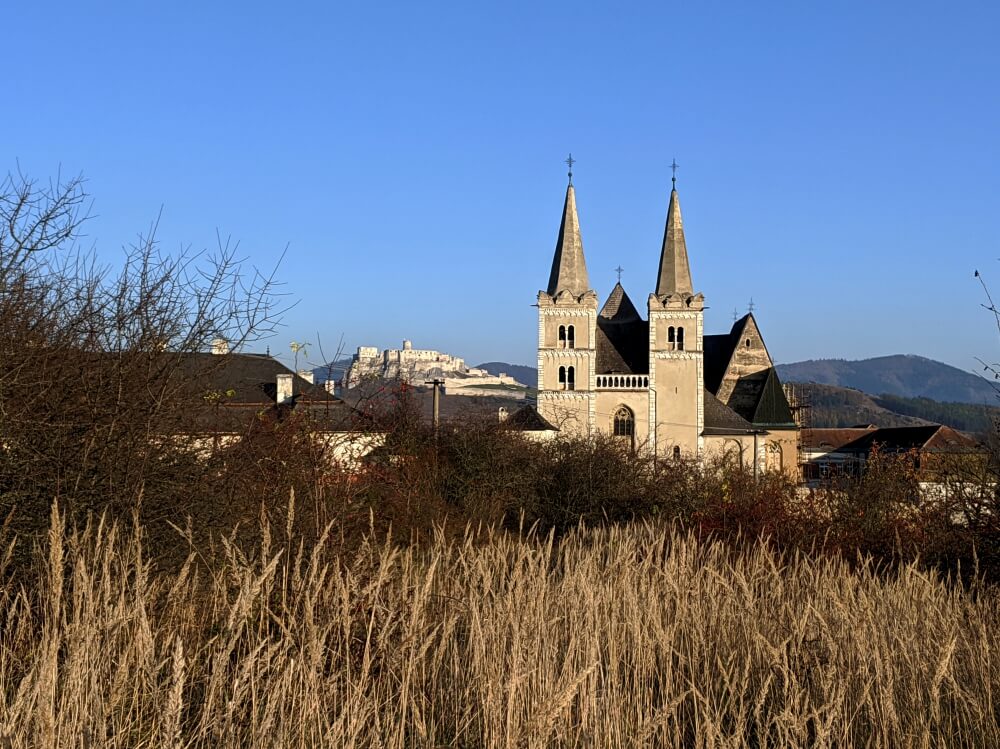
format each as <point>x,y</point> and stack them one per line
<point>98,369</point>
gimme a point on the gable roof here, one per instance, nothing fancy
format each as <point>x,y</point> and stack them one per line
<point>719,350</point>
<point>929,438</point>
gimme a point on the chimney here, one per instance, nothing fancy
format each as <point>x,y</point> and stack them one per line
<point>307,375</point>
<point>220,346</point>
<point>285,388</point>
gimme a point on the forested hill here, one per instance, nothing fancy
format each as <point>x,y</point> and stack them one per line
<point>832,406</point>
<point>899,375</point>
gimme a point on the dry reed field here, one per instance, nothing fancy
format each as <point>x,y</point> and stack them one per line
<point>629,636</point>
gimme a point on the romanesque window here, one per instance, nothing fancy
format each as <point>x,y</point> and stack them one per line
<point>677,453</point>
<point>671,339</point>
<point>623,425</point>
<point>680,339</point>
<point>570,378</point>
<point>562,336</point>
<point>562,377</point>
<point>571,337</point>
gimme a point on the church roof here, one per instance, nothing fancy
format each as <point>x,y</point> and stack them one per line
<point>569,269</point>
<point>760,399</point>
<point>619,307</point>
<point>719,349</point>
<point>622,347</point>
<point>721,419</point>
<point>527,419</point>
<point>675,271</point>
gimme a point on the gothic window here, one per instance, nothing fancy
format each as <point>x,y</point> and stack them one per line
<point>562,336</point>
<point>570,378</point>
<point>571,337</point>
<point>671,340</point>
<point>562,378</point>
<point>623,425</point>
<point>677,453</point>
<point>680,339</point>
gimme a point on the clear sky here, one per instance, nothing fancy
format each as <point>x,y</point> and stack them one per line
<point>840,161</point>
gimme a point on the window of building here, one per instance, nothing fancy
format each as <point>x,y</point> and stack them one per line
<point>562,377</point>
<point>562,336</point>
<point>677,453</point>
<point>570,378</point>
<point>680,339</point>
<point>623,425</point>
<point>671,338</point>
<point>571,336</point>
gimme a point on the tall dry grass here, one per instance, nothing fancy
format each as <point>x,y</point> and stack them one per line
<point>630,636</point>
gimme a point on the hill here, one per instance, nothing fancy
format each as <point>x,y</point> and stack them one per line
<point>832,406</point>
<point>520,372</point>
<point>907,376</point>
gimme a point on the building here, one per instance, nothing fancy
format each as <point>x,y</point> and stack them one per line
<point>412,365</point>
<point>941,455</point>
<point>658,383</point>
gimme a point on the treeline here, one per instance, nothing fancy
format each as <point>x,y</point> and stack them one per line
<point>967,417</point>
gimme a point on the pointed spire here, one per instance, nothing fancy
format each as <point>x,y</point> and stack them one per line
<point>675,272</point>
<point>569,269</point>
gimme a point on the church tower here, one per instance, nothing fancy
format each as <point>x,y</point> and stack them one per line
<point>567,320</point>
<point>676,331</point>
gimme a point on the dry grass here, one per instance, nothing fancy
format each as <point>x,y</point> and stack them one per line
<point>629,636</point>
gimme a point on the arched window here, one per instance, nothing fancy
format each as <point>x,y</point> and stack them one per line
<point>623,425</point>
<point>562,377</point>
<point>570,378</point>
<point>775,458</point>
<point>671,340</point>
<point>562,336</point>
<point>677,452</point>
<point>747,343</point>
<point>680,339</point>
<point>571,337</point>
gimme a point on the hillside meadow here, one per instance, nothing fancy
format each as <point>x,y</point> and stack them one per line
<point>634,635</point>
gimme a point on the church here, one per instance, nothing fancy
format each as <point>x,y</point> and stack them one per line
<point>660,384</point>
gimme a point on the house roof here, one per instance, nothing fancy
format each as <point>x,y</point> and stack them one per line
<point>831,439</point>
<point>926,438</point>
<point>721,419</point>
<point>243,378</point>
<point>527,419</point>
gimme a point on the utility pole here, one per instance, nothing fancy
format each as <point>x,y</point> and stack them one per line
<point>436,384</point>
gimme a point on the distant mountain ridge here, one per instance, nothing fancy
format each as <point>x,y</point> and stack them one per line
<point>904,375</point>
<point>520,372</point>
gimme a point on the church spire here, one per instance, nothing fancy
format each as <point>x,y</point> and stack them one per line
<point>569,270</point>
<point>675,272</point>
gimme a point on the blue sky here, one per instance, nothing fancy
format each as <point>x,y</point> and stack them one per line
<point>839,161</point>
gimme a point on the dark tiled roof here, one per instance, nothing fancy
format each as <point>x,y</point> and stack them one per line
<point>931,437</point>
<point>832,439</point>
<point>622,347</point>
<point>527,419</point>
<point>721,419</point>
<point>619,308</point>
<point>760,399</point>
<point>241,378</point>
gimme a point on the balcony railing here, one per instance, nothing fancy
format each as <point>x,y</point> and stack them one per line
<point>622,382</point>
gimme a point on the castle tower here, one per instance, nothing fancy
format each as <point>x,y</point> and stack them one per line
<point>567,319</point>
<point>676,331</point>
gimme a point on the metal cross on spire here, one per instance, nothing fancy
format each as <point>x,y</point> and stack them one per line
<point>619,270</point>
<point>750,306</point>
<point>569,162</point>
<point>674,166</point>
